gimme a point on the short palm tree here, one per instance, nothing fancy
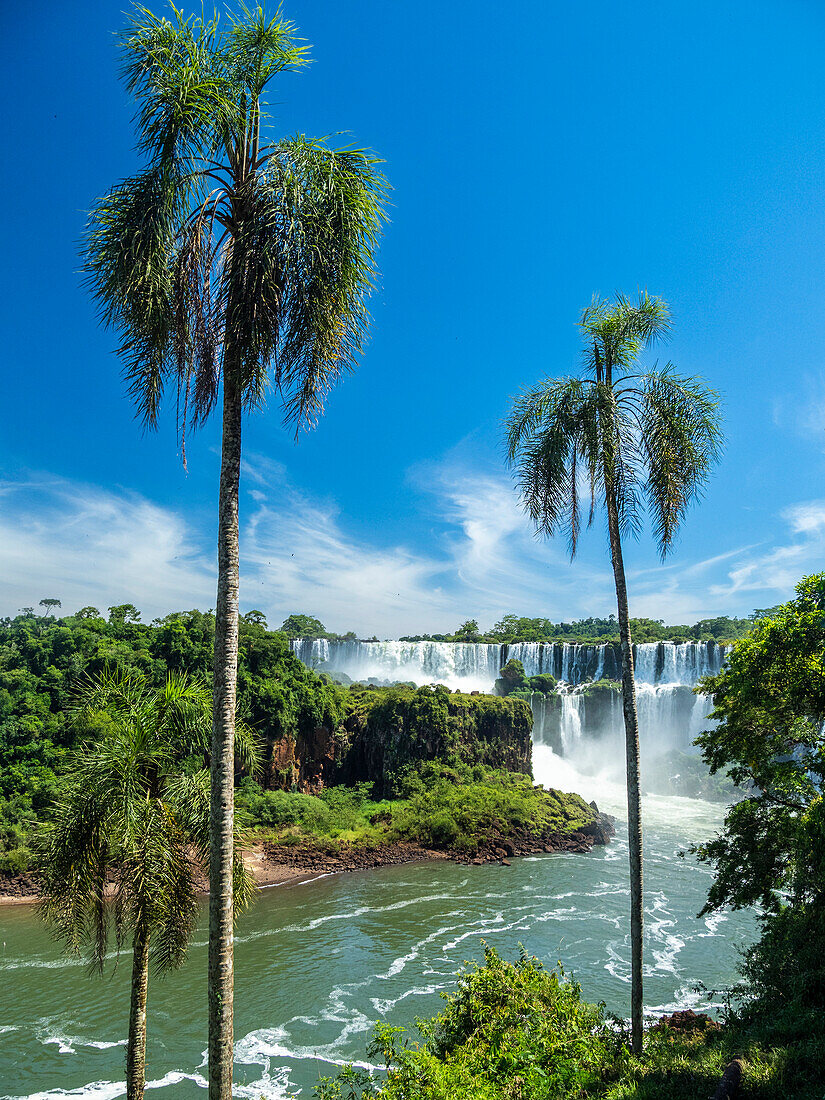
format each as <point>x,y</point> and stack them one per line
<point>130,835</point>
<point>230,263</point>
<point>626,438</point>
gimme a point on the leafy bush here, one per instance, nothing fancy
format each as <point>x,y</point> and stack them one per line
<point>510,1030</point>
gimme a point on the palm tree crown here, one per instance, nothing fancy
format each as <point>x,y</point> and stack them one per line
<point>130,834</point>
<point>648,436</point>
<point>226,253</point>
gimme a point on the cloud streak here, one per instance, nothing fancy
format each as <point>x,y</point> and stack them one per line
<point>87,545</point>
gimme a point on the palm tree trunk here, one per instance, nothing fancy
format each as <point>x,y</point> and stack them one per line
<point>136,1048</point>
<point>222,764</point>
<point>634,798</point>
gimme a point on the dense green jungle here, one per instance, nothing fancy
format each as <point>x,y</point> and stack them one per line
<point>330,757</point>
<point>519,628</point>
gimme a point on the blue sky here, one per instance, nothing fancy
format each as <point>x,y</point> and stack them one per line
<point>538,155</point>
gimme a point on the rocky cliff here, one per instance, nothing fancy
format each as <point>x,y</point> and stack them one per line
<point>384,730</point>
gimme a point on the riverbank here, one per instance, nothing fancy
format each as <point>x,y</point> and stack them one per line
<point>275,864</point>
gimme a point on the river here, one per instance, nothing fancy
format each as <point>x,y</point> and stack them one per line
<point>318,963</point>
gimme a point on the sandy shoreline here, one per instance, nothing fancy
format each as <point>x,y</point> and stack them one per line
<point>269,872</point>
<point>273,865</point>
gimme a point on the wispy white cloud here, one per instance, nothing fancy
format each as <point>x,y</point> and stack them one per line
<point>88,545</point>
<point>776,569</point>
<point>802,411</point>
<point>807,518</point>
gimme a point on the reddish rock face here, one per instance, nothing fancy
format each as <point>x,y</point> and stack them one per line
<point>384,732</point>
<point>306,763</point>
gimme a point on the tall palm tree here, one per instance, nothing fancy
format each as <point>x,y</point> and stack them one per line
<point>131,832</point>
<point>628,438</point>
<point>230,263</point>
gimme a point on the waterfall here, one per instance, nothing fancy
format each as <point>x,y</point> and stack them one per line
<point>571,723</point>
<point>475,666</point>
<point>584,720</point>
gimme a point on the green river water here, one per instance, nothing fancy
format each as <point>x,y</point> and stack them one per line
<point>318,963</point>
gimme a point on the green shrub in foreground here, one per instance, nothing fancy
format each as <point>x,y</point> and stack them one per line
<point>510,1030</point>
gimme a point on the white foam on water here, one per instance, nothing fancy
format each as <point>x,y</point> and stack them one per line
<point>96,1090</point>
<point>350,914</point>
<point>385,1006</point>
<point>712,922</point>
<point>260,1046</point>
<point>47,1035</point>
<point>174,1077</point>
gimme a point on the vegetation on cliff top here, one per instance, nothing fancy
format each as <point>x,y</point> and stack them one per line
<point>459,809</point>
<point>390,730</point>
<point>520,628</point>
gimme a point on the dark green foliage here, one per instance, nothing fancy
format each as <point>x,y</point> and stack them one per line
<point>338,812</point>
<point>517,628</point>
<point>463,808</point>
<point>770,708</point>
<point>455,808</point>
<point>543,682</point>
<point>769,703</point>
<point>303,626</point>
<point>513,681</point>
<point>391,729</point>
<point>42,660</point>
<point>467,632</point>
<point>510,1030</point>
<point>511,678</point>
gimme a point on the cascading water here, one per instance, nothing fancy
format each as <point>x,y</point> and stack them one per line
<point>475,666</point>
<point>582,721</point>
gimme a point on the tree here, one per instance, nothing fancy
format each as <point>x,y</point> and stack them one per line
<point>228,255</point>
<point>769,737</point>
<point>50,605</point>
<point>135,815</point>
<point>124,613</point>
<point>255,618</point>
<point>630,437</point>
<point>468,632</point>
<point>303,626</point>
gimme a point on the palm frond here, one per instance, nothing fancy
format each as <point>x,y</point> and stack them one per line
<point>257,48</point>
<point>128,251</point>
<point>681,438</point>
<point>173,69</point>
<point>550,429</point>
<point>327,208</point>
